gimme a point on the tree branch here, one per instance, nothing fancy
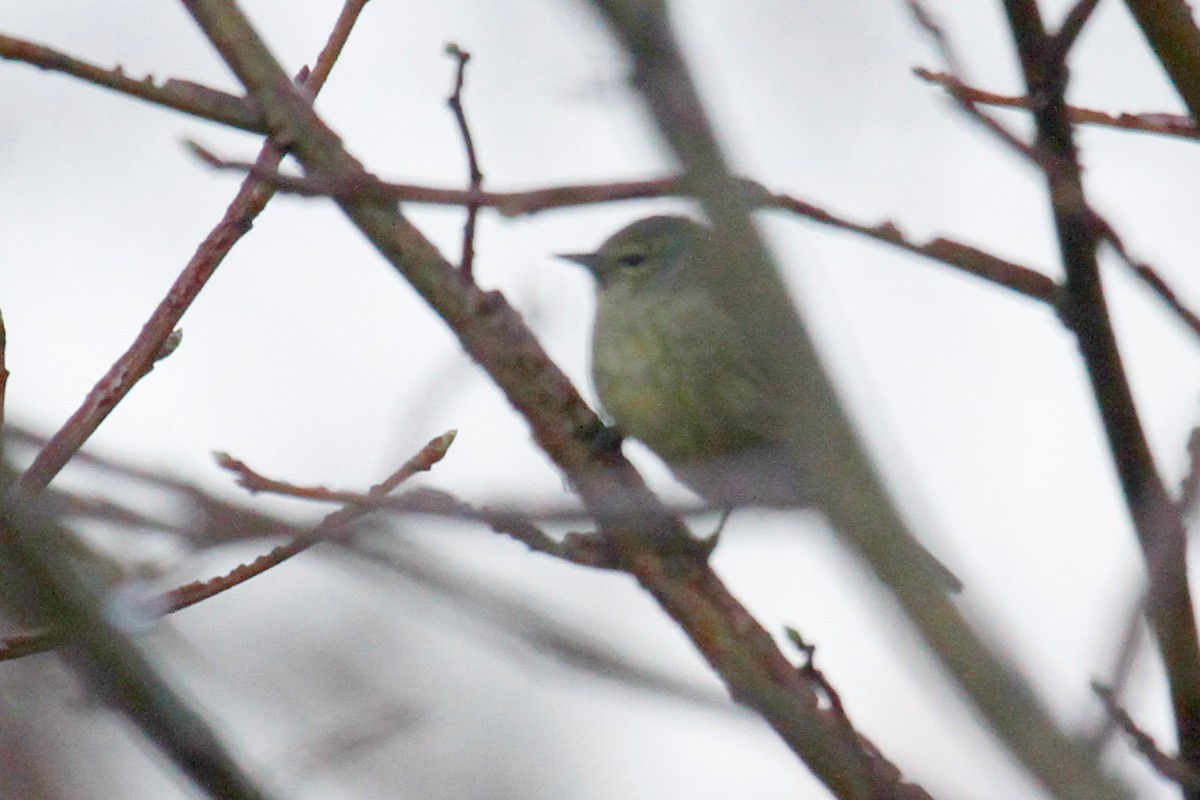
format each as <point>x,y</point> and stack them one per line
<point>658,550</point>
<point>147,348</point>
<point>848,490</point>
<point>1156,519</point>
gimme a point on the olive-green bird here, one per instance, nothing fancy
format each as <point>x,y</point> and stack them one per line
<point>673,369</point>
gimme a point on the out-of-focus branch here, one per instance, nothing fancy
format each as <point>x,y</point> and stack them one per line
<point>658,550</point>
<point>1170,29</point>
<point>147,348</point>
<point>335,524</point>
<point>1156,518</point>
<point>190,98</point>
<point>848,489</point>
<point>3,378</point>
<point>41,579</point>
<point>1170,768</point>
<point>527,623</point>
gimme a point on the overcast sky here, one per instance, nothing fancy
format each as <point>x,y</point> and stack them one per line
<point>309,358</point>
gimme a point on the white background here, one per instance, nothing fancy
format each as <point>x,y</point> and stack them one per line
<point>310,359</point>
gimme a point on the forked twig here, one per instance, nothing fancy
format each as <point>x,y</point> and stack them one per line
<point>147,348</point>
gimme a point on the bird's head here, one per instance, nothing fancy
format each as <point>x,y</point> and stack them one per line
<point>643,252</point>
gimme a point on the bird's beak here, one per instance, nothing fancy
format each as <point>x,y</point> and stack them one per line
<point>589,260</point>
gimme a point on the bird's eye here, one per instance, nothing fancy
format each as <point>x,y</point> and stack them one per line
<point>632,259</point>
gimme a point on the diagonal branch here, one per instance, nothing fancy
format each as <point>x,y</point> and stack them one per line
<point>657,550</point>
<point>1155,517</point>
<point>1170,29</point>
<point>190,98</point>
<point>147,348</point>
<point>852,495</point>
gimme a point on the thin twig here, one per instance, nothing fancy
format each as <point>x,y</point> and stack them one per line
<point>1152,279</point>
<point>333,524</point>
<point>1176,125</point>
<point>957,79</point>
<point>190,98</point>
<point>1170,768</point>
<point>1157,522</point>
<point>1073,24</point>
<point>972,260</point>
<point>139,359</point>
<point>475,175</point>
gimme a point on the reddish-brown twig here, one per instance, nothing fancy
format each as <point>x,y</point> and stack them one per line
<point>965,102</point>
<point>139,359</point>
<point>1160,123</point>
<point>961,256</point>
<point>190,98</point>
<point>332,525</point>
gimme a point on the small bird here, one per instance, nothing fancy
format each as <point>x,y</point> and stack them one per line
<point>673,369</point>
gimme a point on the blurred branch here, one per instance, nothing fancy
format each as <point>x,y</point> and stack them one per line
<point>1156,518</point>
<point>1160,123</point>
<point>848,489</point>
<point>658,550</point>
<point>44,582</point>
<point>1189,486</point>
<point>3,380</point>
<point>248,522</point>
<point>190,98</point>
<point>147,348</point>
<point>1170,768</point>
<point>527,623</point>
<point>1172,33</point>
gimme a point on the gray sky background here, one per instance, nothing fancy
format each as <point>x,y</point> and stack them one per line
<point>311,360</point>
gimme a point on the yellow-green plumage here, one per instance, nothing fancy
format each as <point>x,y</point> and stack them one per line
<point>674,370</point>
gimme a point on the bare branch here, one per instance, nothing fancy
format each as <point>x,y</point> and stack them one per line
<point>475,175</point>
<point>1156,517</point>
<point>1160,123</point>
<point>1170,768</point>
<point>956,80</point>
<point>148,347</point>
<point>1171,30</point>
<point>190,98</point>
<point>1062,42</point>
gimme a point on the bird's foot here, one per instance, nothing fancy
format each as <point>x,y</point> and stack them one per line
<point>603,439</point>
